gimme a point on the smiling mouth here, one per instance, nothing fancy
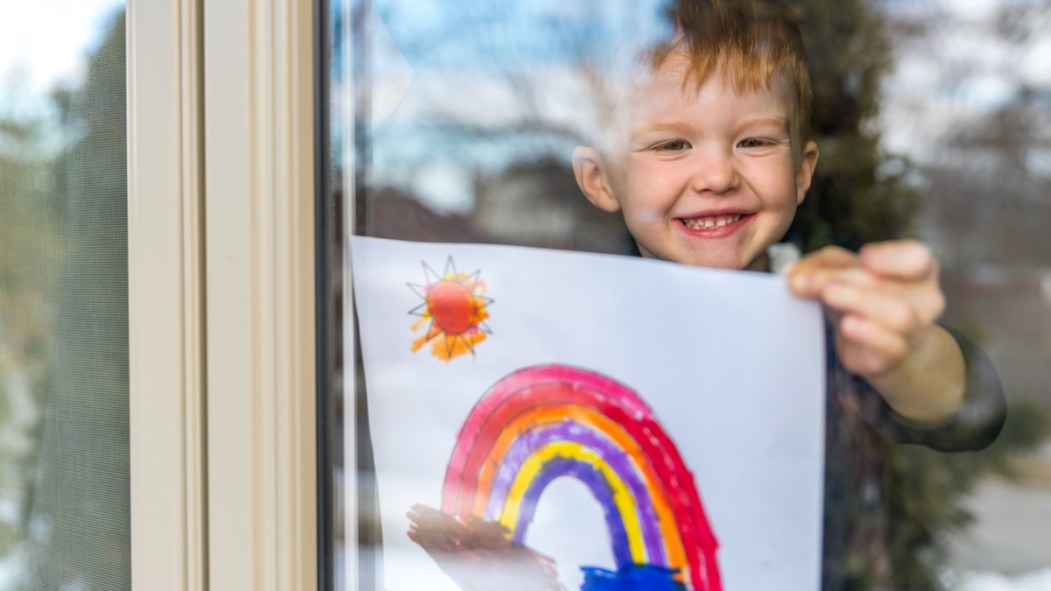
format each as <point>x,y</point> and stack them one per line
<point>712,222</point>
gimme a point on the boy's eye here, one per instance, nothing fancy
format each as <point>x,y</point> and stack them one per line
<point>673,146</point>
<point>754,142</point>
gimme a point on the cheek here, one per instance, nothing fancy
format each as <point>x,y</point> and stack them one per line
<point>640,197</point>
<point>641,216</point>
<point>778,185</point>
<point>656,186</point>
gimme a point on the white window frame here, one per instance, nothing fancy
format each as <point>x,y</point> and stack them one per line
<point>221,294</point>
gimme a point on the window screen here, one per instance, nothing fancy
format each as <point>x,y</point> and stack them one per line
<point>64,488</point>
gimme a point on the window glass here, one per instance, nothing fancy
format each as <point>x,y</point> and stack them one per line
<point>457,122</point>
<point>64,516</point>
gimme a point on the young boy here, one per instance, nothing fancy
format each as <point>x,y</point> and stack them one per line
<point>709,171</point>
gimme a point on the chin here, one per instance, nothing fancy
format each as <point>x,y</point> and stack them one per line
<point>729,260</point>
<point>713,263</point>
<point>706,260</point>
<point>720,265</point>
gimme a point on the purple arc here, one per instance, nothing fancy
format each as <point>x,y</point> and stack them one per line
<point>596,483</point>
<point>528,442</point>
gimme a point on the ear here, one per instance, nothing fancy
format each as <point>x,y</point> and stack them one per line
<point>805,174</point>
<point>591,178</point>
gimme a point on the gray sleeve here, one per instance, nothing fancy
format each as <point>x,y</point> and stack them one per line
<point>973,427</point>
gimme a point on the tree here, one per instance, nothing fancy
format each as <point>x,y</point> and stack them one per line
<point>859,193</point>
<point>29,235</point>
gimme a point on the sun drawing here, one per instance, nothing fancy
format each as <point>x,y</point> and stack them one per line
<point>453,311</point>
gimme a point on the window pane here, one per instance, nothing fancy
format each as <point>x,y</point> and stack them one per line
<point>64,515</point>
<point>457,124</point>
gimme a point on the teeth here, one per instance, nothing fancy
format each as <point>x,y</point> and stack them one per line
<point>710,222</point>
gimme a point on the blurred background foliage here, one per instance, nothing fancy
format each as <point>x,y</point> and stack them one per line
<point>26,322</point>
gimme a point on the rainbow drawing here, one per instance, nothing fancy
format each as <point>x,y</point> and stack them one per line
<point>546,422</point>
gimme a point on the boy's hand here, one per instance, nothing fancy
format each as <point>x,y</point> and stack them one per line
<point>881,299</point>
<point>883,304</point>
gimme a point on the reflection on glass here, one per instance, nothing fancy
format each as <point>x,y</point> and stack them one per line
<point>64,521</point>
<point>933,121</point>
<point>469,117</point>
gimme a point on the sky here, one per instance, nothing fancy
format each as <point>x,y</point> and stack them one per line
<point>50,49</point>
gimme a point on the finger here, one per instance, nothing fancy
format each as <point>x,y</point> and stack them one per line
<point>886,302</point>
<point>807,276</point>
<point>898,259</point>
<point>890,311</point>
<point>829,257</point>
<point>812,282</point>
<point>863,362</point>
<point>867,348</point>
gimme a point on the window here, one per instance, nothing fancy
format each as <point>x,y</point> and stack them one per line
<point>455,124</point>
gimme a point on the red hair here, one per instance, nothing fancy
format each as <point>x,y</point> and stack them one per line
<point>755,44</point>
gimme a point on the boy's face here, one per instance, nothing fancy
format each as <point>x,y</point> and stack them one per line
<point>707,177</point>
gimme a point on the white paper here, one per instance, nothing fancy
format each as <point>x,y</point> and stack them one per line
<point>729,363</point>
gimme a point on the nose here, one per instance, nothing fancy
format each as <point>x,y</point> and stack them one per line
<point>714,171</point>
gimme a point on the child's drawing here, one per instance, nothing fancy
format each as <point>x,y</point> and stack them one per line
<point>453,312</point>
<point>647,389</point>
<point>554,421</point>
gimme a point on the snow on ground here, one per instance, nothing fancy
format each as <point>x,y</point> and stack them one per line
<point>1009,546</point>
<point>991,581</point>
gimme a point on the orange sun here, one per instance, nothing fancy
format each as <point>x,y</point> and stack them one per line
<point>453,310</point>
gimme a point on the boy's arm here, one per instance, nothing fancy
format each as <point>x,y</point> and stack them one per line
<point>973,427</point>
<point>884,303</point>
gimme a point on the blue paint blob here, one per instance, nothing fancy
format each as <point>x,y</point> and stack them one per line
<point>631,577</point>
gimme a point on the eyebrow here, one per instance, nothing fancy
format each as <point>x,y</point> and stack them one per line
<point>764,121</point>
<point>679,127</point>
<point>672,126</point>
